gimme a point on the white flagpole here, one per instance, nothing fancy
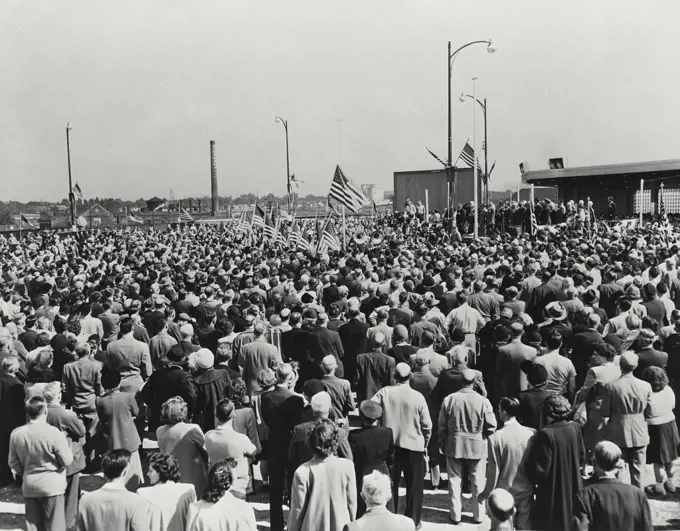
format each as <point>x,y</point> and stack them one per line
<point>642,193</point>
<point>532,196</point>
<point>474,148</point>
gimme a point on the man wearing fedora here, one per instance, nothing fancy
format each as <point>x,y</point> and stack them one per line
<point>556,319</point>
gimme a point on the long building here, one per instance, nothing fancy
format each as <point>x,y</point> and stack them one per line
<point>412,185</point>
<point>620,181</point>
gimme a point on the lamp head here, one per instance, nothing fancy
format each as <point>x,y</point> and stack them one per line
<point>490,48</point>
<point>276,119</point>
<point>462,98</point>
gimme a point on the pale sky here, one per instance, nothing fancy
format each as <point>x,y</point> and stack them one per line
<point>146,84</point>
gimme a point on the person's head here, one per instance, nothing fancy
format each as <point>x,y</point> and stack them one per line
<point>329,364</point>
<point>258,329</point>
<point>603,352</point>
<point>285,375</point>
<point>557,408</point>
<point>173,411</point>
<point>324,437</point>
<point>628,362</point>
<point>220,478</point>
<point>656,377</point>
<point>500,507</point>
<point>645,338</point>
<point>427,338</point>
<point>9,366</point>
<point>607,458</point>
<point>224,411</point>
<point>126,327</point>
<point>82,349</point>
<point>399,334</point>
<point>163,468</point>
<point>93,342</point>
<point>115,464</point>
<point>370,412</point>
<point>536,373</point>
<point>459,355</point>
<point>402,373</point>
<point>378,341</point>
<point>554,340</point>
<point>52,393</point>
<point>321,405</point>
<point>110,378</point>
<point>238,392</point>
<point>469,377</point>
<point>376,489</point>
<point>594,321</point>
<point>508,408</point>
<point>516,330</point>
<point>36,408</point>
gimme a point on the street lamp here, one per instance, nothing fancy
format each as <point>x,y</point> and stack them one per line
<point>278,119</point>
<point>486,144</point>
<point>71,196</point>
<point>451,57</point>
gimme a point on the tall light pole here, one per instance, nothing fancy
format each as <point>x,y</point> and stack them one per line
<point>475,178</point>
<point>285,126</point>
<point>450,58</point>
<point>71,197</point>
<point>486,144</point>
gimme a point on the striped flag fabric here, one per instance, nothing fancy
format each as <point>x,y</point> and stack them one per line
<point>329,239</point>
<point>131,218</point>
<point>298,241</point>
<point>468,156</point>
<point>534,222</point>
<point>24,224</point>
<point>346,192</point>
<point>77,192</point>
<point>184,216</point>
<point>270,231</point>
<point>258,217</point>
<point>242,225</point>
<point>81,221</point>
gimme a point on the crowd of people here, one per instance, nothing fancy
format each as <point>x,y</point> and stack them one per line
<point>527,371</point>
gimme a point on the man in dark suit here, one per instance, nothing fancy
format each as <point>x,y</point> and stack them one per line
<point>339,389</point>
<point>610,291</point>
<point>281,411</point>
<point>541,296</point>
<point>402,314</point>
<point>206,334</point>
<point>451,380</point>
<point>330,293</point>
<point>30,335</point>
<point>294,342</point>
<point>370,303</point>
<point>647,354</point>
<point>353,337</point>
<point>401,349</point>
<point>372,448</point>
<point>11,411</point>
<point>609,504</point>
<point>531,401</point>
<point>325,342</point>
<point>375,369</point>
<point>583,347</point>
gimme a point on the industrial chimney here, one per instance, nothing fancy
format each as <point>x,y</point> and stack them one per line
<point>213,180</point>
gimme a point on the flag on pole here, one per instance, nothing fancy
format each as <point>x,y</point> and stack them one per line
<point>329,239</point>
<point>285,216</point>
<point>242,226</point>
<point>184,216</point>
<point>77,192</point>
<point>297,182</point>
<point>663,216</point>
<point>131,218</point>
<point>24,224</point>
<point>534,223</point>
<point>81,221</point>
<point>468,156</point>
<point>346,192</point>
<point>269,231</point>
<point>491,170</point>
<point>164,203</point>
<point>258,217</point>
<point>438,159</point>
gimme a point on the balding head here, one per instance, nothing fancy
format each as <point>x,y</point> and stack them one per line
<point>607,456</point>
<point>258,329</point>
<point>593,320</point>
<point>378,340</point>
<point>459,354</point>
<point>501,506</point>
<point>321,405</point>
<point>516,329</point>
<point>400,333</point>
<point>329,364</point>
<point>469,377</point>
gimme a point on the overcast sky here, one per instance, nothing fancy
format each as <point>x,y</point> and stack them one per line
<point>146,84</point>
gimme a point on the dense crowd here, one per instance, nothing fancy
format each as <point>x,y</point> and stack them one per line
<point>527,371</point>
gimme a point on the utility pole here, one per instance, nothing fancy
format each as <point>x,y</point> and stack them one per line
<point>285,126</point>
<point>449,160</point>
<point>486,159</point>
<point>71,197</point>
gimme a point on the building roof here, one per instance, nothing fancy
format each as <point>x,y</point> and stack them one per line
<point>638,169</point>
<point>95,210</point>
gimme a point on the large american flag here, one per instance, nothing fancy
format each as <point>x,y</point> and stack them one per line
<point>131,218</point>
<point>346,192</point>
<point>258,217</point>
<point>24,224</point>
<point>468,156</point>
<point>329,239</point>
<point>534,222</point>
<point>184,216</point>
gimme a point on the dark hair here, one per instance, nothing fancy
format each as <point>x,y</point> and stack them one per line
<point>554,339</point>
<point>324,437</point>
<point>536,373</point>
<point>427,338</point>
<point>85,308</point>
<point>509,405</point>
<point>656,377</point>
<point>126,326</point>
<point>606,351</point>
<point>237,391</point>
<point>166,465</point>
<point>173,411</point>
<point>110,378</point>
<point>224,411</point>
<point>35,406</point>
<point>114,463</point>
<point>220,478</point>
<point>30,321</point>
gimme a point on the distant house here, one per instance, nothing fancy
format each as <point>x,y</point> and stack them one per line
<point>97,215</point>
<point>155,203</point>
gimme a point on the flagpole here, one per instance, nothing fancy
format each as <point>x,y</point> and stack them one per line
<point>427,205</point>
<point>642,193</point>
<point>344,229</point>
<point>475,177</point>
<point>71,197</point>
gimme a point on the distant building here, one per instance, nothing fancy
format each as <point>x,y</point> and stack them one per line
<point>377,192</point>
<point>412,185</point>
<point>97,215</point>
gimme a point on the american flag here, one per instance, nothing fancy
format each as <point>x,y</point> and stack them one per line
<point>298,241</point>
<point>258,217</point>
<point>329,239</point>
<point>242,226</point>
<point>184,216</point>
<point>24,224</point>
<point>271,230</point>
<point>468,156</point>
<point>346,192</point>
<point>77,192</point>
<point>534,223</point>
<point>134,219</point>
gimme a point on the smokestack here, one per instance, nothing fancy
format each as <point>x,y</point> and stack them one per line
<point>213,180</point>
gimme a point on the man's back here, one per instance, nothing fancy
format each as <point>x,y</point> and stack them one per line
<point>609,505</point>
<point>506,449</point>
<point>626,403</point>
<point>114,509</point>
<point>381,518</point>
<point>81,382</point>
<point>375,370</point>
<point>405,412</point>
<point>342,401</point>
<point>559,369</point>
<point>257,356</point>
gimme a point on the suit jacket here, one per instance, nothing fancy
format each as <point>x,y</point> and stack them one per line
<point>111,324</point>
<point>539,298</point>
<point>295,344</point>
<point>281,410</point>
<point>381,518</point>
<point>325,342</point>
<point>609,293</point>
<point>405,412</point>
<point>11,406</point>
<point>648,357</point>
<point>342,399</point>
<point>402,353</point>
<point>182,350</point>
<point>114,509</point>
<point>211,387</point>
<point>510,379</point>
<point>398,316</point>
<point>70,425</point>
<point>372,449</point>
<point>627,404</point>
<point>353,337</point>
<point>506,449</point>
<point>323,495</point>
<point>465,419</point>
<point>255,357</point>
<point>81,382</point>
<point>531,407</point>
<point>375,370</point>
<point>582,348</point>
<point>451,380</point>
<point>117,411</point>
<point>609,505</point>
<point>159,345</point>
<point>132,360</point>
<point>166,383</point>
<point>369,304</point>
<point>299,451</point>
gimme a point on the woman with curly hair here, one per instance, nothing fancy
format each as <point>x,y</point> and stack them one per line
<point>324,493</point>
<point>662,449</point>
<point>218,509</point>
<point>184,441</point>
<point>171,497</point>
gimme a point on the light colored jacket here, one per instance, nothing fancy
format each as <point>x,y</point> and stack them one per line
<point>405,412</point>
<point>506,448</point>
<point>379,518</point>
<point>323,495</point>
<point>627,403</point>
<point>228,514</point>
<point>465,419</point>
